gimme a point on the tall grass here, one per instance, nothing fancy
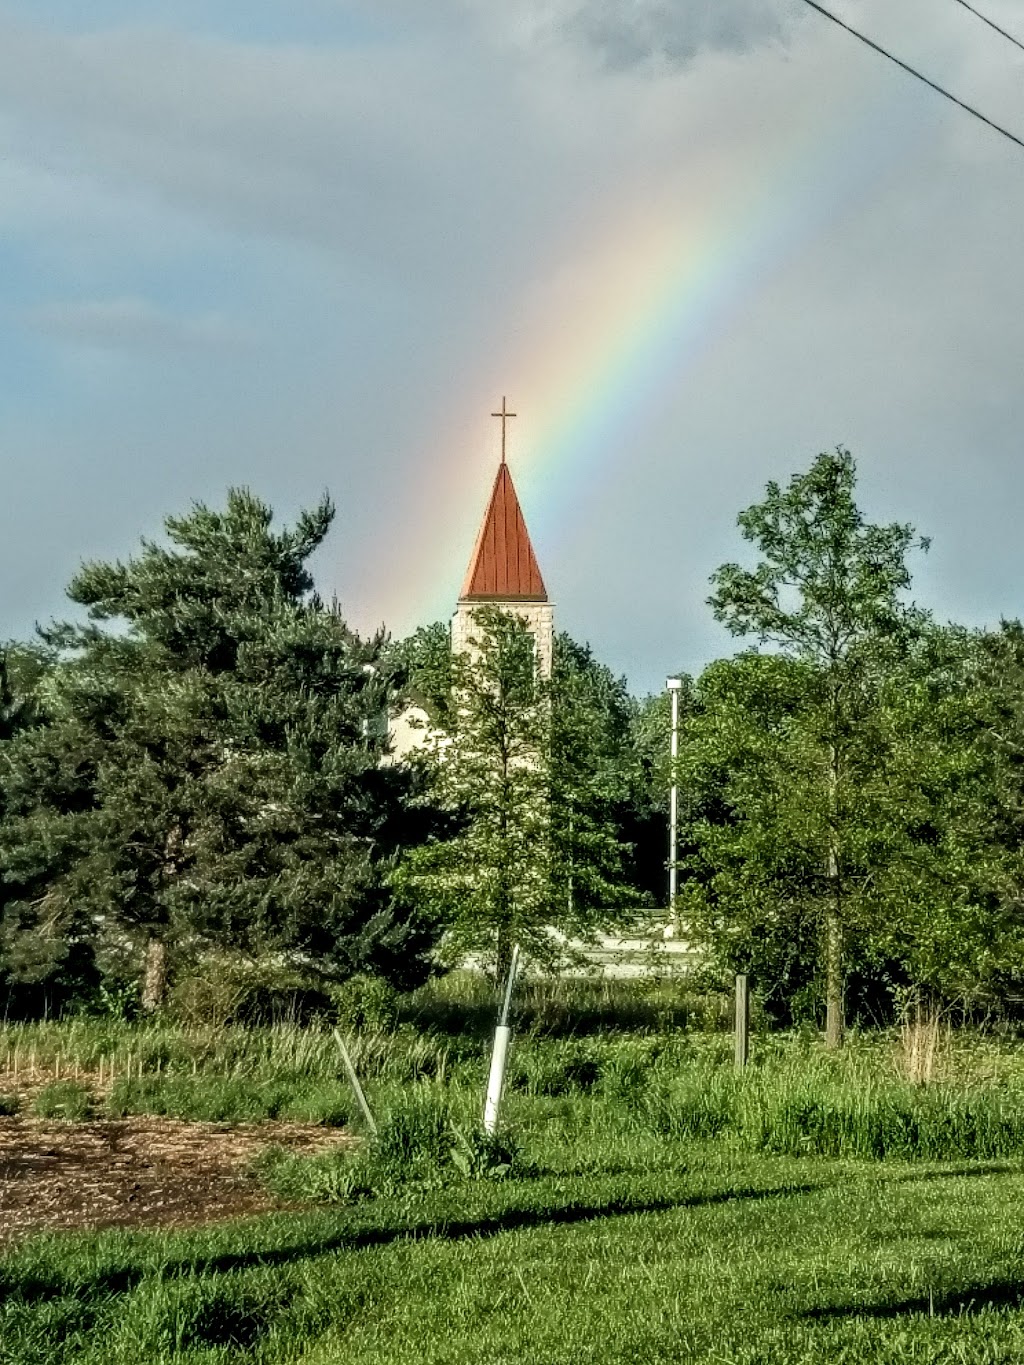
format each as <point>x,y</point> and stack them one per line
<point>813,1105</point>
<point>567,1006</point>
<point>670,1082</point>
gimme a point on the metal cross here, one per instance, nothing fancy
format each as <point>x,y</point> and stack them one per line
<point>504,414</point>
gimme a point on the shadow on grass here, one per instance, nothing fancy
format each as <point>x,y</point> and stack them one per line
<point>36,1287</point>
<point>974,1299</point>
<point>966,1171</point>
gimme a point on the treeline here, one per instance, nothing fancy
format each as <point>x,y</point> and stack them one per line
<point>199,777</point>
<point>197,781</point>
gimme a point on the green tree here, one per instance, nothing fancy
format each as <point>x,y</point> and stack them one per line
<point>826,594</point>
<point>942,822</point>
<point>210,770</point>
<point>526,776</point>
<point>595,780</point>
<point>423,664</point>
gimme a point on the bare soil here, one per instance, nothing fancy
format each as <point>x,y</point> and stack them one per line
<point>137,1172</point>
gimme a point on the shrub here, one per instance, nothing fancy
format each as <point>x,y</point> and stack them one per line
<point>9,1106</point>
<point>227,989</point>
<point>365,1004</point>
<point>67,1100</point>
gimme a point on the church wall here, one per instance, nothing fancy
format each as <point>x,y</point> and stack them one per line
<point>538,617</point>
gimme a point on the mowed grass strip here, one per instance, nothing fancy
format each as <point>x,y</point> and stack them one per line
<point>708,1256</point>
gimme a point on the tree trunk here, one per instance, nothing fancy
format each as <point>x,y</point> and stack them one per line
<point>834,1021</point>
<point>154,980</point>
<point>502,957</point>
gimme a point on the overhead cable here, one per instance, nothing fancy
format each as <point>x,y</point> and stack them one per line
<point>911,71</point>
<point>985,20</point>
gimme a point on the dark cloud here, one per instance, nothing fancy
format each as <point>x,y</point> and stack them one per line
<point>630,33</point>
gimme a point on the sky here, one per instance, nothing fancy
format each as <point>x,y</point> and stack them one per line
<point>301,245</point>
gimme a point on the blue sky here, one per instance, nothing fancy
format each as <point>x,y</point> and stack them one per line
<point>305,245</point>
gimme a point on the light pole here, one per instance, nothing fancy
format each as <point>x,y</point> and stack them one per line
<point>673,685</point>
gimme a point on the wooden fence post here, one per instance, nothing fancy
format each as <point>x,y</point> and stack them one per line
<point>742,1020</point>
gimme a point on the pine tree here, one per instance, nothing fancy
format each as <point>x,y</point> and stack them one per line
<point>210,771</point>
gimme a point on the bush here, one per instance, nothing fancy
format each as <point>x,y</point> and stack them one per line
<point>365,1004</point>
<point>9,1106</point>
<point>225,989</point>
<point>67,1100</point>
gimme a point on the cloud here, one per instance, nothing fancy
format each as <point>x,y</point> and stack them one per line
<point>133,324</point>
<point>369,152</point>
<point>667,33</point>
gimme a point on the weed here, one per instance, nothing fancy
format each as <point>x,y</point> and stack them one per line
<point>67,1100</point>
<point>478,1155</point>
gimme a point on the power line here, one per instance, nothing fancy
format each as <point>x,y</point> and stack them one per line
<point>985,20</point>
<point>946,94</point>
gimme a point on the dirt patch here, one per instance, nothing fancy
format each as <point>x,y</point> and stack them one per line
<point>137,1172</point>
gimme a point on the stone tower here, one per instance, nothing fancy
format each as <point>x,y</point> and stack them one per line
<point>503,572</point>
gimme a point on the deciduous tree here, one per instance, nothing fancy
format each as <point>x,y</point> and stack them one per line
<point>827,595</point>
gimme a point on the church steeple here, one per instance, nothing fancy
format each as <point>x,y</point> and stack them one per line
<point>503,568</point>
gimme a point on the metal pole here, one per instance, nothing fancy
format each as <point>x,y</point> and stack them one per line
<point>673,685</point>
<point>742,1021</point>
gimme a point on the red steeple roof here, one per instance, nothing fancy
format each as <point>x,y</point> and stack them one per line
<point>503,565</point>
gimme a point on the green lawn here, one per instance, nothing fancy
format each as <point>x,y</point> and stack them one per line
<point>654,1253</point>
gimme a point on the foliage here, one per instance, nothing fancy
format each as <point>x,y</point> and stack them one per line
<point>826,594</point>
<point>221,988</point>
<point>365,1004</point>
<point>594,780</point>
<point>489,880</point>
<point>529,778</point>
<point>209,773</point>
<point>423,665</point>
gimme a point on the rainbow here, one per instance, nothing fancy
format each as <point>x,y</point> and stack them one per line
<point>613,334</point>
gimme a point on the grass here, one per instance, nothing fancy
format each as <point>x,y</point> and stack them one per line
<point>794,1099</point>
<point>67,1100</point>
<point>692,1254</point>
<point>654,1205</point>
<point>233,1099</point>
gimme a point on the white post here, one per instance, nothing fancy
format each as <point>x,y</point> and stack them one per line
<point>673,685</point>
<point>502,1035</point>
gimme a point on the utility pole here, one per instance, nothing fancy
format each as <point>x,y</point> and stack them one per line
<point>673,686</point>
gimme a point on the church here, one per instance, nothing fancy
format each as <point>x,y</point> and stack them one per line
<point>503,572</point>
